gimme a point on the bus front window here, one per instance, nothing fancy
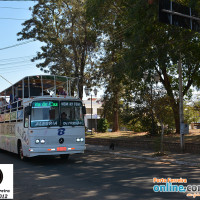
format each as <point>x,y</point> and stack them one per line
<point>45,113</point>
<point>71,113</point>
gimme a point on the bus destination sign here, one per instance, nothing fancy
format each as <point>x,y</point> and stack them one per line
<point>40,104</point>
<point>71,104</point>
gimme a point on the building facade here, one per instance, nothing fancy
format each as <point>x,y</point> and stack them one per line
<point>94,112</point>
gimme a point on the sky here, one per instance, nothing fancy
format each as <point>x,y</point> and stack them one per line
<point>15,62</point>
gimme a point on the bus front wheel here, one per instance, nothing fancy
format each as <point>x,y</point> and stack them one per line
<point>20,152</point>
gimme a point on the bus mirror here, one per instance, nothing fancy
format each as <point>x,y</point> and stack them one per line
<point>84,110</point>
<point>28,110</point>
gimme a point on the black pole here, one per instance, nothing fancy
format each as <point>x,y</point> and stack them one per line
<point>91,113</point>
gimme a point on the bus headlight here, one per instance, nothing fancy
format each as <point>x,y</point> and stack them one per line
<point>79,139</point>
<point>37,141</point>
<point>42,141</point>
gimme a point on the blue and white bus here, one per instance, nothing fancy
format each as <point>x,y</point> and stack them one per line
<point>42,115</point>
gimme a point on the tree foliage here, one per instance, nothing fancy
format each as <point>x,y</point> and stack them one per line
<point>114,43</point>
<point>111,64</point>
<point>153,47</point>
<point>67,37</point>
<point>102,125</point>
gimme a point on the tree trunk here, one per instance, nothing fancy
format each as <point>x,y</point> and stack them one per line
<point>116,113</point>
<point>173,103</point>
<point>116,121</point>
<point>81,87</point>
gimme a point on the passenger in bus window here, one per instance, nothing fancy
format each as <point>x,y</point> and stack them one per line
<point>2,104</point>
<point>19,104</point>
<point>61,91</point>
<point>8,107</point>
<point>14,104</point>
<point>63,116</point>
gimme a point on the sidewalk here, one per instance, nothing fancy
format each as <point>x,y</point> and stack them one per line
<point>174,158</point>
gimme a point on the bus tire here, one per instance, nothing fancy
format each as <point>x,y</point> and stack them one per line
<point>20,151</point>
<point>64,156</point>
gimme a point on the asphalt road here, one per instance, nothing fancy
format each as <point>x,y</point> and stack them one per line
<point>93,176</point>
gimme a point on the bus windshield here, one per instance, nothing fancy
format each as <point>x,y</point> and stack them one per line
<point>71,113</point>
<point>46,113</point>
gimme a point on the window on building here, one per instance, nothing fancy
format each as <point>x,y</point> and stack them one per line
<point>99,111</point>
<point>88,110</point>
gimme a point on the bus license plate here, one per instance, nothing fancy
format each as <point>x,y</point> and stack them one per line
<point>61,148</point>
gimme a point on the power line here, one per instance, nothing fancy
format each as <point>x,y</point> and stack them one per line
<point>4,18</point>
<point>15,58</point>
<point>5,79</point>
<point>17,68</point>
<point>18,0</point>
<point>14,62</point>
<point>16,45</point>
<point>2,66</point>
<point>14,8</point>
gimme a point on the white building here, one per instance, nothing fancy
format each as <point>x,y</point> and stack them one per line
<point>97,111</point>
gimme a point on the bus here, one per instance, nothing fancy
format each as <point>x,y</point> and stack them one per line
<point>42,115</point>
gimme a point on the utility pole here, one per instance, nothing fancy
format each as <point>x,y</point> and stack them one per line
<point>91,113</point>
<point>181,116</point>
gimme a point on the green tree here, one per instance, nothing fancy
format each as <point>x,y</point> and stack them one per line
<point>192,113</point>
<point>69,41</point>
<point>102,125</point>
<point>111,64</point>
<point>153,47</point>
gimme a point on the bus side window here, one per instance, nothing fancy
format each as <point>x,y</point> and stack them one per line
<point>26,119</point>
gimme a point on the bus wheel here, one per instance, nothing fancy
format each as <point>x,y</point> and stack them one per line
<point>20,152</point>
<point>64,156</point>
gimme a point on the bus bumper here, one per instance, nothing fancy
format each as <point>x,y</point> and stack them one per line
<point>38,151</point>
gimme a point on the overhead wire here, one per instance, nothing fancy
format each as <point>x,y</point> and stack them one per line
<point>16,45</point>
<point>14,8</point>
<point>17,69</point>
<point>15,63</point>
<point>13,67</point>
<point>15,58</point>
<point>19,0</point>
<point>31,65</point>
<point>9,18</point>
<point>14,71</point>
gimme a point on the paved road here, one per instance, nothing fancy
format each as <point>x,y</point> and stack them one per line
<point>93,176</point>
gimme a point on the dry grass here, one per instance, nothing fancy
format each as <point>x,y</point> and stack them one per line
<point>122,135</point>
<point>192,137</point>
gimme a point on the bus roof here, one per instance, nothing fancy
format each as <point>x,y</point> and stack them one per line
<point>40,85</point>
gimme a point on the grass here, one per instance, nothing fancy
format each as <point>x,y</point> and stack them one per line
<point>192,137</point>
<point>118,135</point>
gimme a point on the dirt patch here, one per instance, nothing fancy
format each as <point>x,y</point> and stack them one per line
<point>192,137</point>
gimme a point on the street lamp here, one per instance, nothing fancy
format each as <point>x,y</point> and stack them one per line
<point>89,92</point>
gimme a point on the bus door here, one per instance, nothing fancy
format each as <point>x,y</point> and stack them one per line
<point>25,132</point>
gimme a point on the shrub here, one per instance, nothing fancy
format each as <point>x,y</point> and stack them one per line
<point>102,125</point>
